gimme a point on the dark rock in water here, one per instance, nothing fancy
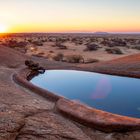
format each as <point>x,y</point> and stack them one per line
<point>32,74</point>
<point>34,66</point>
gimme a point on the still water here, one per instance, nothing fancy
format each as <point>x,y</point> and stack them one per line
<point>115,94</point>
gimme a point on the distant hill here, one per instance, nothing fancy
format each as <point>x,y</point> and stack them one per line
<point>101,33</point>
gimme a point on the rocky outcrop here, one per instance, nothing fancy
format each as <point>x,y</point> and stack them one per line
<point>53,127</point>
<point>25,115</point>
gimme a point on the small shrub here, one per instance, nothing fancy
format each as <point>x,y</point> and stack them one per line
<point>114,51</point>
<point>92,47</point>
<point>136,47</point>
<point>58,57</point>
<point>91,60</point>
<point>74,59</point>
<point>40,54</point>
<point>60,46</point>
<point>15,44</point>
<point>37,43</point>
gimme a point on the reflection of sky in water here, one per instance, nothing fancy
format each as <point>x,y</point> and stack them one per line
<point>120,95</point>
<point>102,89</point>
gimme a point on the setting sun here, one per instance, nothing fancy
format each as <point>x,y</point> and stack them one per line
<point>3,28</point>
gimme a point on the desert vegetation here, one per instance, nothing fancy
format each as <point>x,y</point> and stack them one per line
<point>74,48</point>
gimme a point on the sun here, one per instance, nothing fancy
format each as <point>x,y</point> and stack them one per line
<point>3,28</point>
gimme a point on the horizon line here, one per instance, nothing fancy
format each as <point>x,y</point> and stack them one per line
<point>100,32</point>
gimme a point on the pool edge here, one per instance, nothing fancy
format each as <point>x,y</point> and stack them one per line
<point>84,114</point>
<point>20,78</point>
<point>98,119</point>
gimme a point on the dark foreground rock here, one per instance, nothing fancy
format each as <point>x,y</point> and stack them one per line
<point>53,127</point>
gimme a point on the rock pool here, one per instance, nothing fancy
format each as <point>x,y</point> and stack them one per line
<point>115,94</point>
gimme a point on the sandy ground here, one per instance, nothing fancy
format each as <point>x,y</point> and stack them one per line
<point>47,50</point>
<point>75,45</point>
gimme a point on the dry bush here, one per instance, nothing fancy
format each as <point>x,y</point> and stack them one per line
<point>91,47</point>
<point>91,60</point>
<point>15,44</point>
<point>136,47</point>
<point>58,57</point>
<point>37,43</point>
<point>114,50</point>
<point>40,54</point>
<point>74,59</point>
<point>60,46</point>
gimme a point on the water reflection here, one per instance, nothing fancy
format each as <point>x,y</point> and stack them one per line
<point>102,89</point>
<point>120,95</point>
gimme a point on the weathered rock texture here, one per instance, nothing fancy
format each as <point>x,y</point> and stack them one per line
<point>27,116</point>
<point>98,119</point>
<point>126,66</point>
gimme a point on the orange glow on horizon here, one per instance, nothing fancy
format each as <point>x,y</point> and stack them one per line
<point>61,27</point>
<point>70,16</point>
<point>77,25</point>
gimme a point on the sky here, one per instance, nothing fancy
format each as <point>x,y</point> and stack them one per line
<point>70,15</point>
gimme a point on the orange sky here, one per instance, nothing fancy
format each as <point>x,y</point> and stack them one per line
<point>70,16</point>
